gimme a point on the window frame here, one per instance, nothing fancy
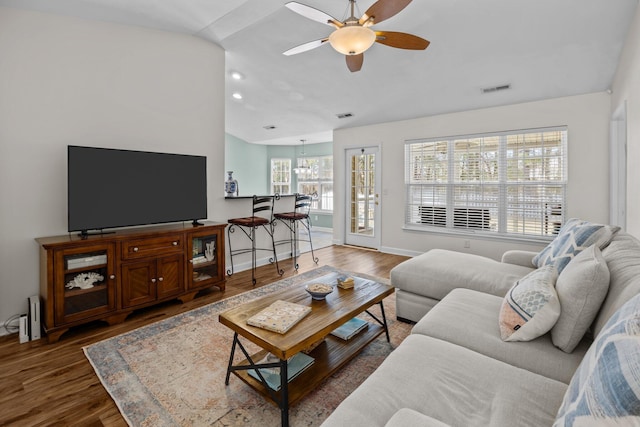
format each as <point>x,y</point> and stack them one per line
<point>272,183</point>
<point>319,181</point>
<point>441,184</point>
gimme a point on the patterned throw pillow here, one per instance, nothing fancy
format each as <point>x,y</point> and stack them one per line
<point>574,237</point>
<point>531,307</point>
<point>605,390</point>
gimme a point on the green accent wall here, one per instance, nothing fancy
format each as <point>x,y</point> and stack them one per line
<point>247,161</point>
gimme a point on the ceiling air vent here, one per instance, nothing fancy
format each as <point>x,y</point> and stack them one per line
<point>495,88</point>
<point>344,115</point>
<point>269,127</point>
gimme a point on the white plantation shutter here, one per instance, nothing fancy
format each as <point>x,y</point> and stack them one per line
<point>510,183</point>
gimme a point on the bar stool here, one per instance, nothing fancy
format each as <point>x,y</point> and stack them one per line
<point>300,215</point>
<point>248,226</point>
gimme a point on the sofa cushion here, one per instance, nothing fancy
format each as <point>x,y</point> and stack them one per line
<point>470,319</point>
<point>406,417</point>
<point>519,257</point>
<point>606,387</point>
<point>581,288</point>
<point>622,257</point>
<point>531,307</point>
<point>413,307</point>
<point>452,384</point>
<point>436,272</point>
<point>574,236</point>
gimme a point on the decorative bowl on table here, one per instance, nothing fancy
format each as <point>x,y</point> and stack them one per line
<point>318,291</point>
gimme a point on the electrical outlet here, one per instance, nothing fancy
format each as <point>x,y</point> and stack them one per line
<point>467,244</point>
<point>315,217</point>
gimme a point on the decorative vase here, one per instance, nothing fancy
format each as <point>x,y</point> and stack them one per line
<point>231,185</point>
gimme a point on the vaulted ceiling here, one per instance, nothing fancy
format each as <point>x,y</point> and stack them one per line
<point>542,49</point>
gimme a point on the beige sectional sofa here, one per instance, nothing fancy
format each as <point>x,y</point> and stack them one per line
<point>456,370</point>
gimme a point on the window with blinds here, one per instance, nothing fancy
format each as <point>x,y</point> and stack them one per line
<point>509,183</point>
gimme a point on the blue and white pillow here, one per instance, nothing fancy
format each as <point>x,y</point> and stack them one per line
<point>575,236</point>
<point>531,307</point>
<point>605,390</point>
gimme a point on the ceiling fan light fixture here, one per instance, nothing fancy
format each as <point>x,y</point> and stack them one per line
<point>352,39</point>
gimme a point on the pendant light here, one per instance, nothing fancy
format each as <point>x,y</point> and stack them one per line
<point>303,167</point>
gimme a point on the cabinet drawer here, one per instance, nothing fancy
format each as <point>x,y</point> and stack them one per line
<point>156,246</point>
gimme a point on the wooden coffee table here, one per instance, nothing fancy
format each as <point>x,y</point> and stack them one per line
<point>339,306</point>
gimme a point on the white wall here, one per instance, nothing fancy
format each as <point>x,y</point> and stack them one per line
<point>587,118</point>
<point>626,88</point>
<point>70,81</point>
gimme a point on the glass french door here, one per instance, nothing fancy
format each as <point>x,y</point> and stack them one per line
<point>363,198</point>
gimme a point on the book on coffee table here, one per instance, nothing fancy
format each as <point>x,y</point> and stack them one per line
<point>350,328</point>
<point>279,316</point>
<point>295,366</point>
<point>345,282</point>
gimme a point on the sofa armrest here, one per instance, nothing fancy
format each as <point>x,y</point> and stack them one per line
<point>406,417</point>
<point>523,258</point>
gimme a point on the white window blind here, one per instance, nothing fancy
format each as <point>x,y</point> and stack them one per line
<point>510,183</point>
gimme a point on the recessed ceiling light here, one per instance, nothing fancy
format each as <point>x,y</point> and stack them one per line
<point>237,95</point>
<point>236,75</point>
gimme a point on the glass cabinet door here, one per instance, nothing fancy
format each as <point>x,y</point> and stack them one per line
<point>85,284</point>
<point>205,266</point>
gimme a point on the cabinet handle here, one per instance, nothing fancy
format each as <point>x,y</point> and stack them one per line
<point>160,279</point>
<point>113,276</point>
<point>175,243</point>
<point>135,249</point>
<point>153,280</point>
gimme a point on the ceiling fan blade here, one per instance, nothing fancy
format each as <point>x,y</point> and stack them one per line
<point>305,47</point>
<point>354,62</point>
<point>313,14</point>
<point>381,10</point>
<point>401,40</point>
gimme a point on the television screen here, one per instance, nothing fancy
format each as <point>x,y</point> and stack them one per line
<point>110,188</point>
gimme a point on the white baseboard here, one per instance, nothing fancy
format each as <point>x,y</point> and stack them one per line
<point>322,229</point>
<point>398,251</point>
<point>246,265</point>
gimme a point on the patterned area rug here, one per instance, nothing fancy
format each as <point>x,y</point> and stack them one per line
<point>171,373</point>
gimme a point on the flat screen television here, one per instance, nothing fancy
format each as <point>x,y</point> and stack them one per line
<point>110,188</point>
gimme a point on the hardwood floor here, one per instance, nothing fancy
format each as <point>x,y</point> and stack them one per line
<point>53,384</point>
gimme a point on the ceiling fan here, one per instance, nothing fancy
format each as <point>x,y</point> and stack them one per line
<point>353,36</point>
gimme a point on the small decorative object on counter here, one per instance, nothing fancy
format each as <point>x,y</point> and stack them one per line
<point>231,185</point>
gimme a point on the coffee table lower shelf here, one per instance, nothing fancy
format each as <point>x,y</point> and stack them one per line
<point>328,357</point>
